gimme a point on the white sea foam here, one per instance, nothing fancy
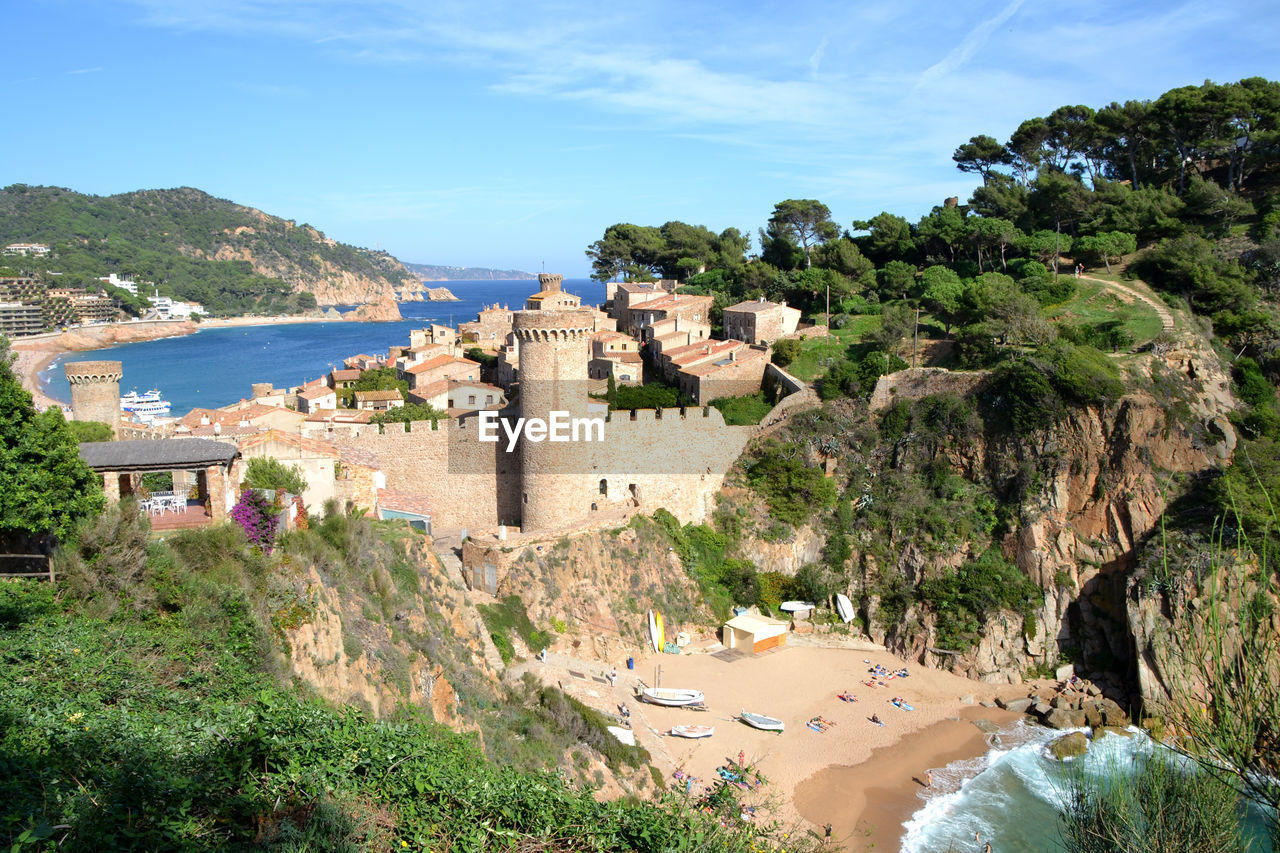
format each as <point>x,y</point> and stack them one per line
<point>1012,795</point>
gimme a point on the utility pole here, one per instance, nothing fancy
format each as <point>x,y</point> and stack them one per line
<point>915,339</point>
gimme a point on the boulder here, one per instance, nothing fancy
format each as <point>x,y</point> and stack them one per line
<point>1061,703</point>
<point>1093,715</point>
<point>1069,746</point>
<point>1064,672</point>
<point>1103,731</point>
<point>968,699</point>
<point>1113,714</point>
<point>985,726</point>
<point>1017,706</point>
<point>1062,718</point>
<point>1093,690</point>
<point>1041,708</point>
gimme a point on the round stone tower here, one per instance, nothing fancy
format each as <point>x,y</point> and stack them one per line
<point>554,350</point>
<point>549,282</point>
<point>95,392</point>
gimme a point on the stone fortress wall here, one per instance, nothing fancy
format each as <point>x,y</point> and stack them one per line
<point>671,458</point>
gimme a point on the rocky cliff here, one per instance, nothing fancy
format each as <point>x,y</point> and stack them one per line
<point>1094,489</point>
<point>394,641</point>
<point>599,585</point>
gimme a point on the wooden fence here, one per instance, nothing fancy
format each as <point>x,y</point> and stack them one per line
<point>24,565</point>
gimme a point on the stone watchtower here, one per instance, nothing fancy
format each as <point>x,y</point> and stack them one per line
<point>554,350</point>
<point>95,392</point>
<point>549,282</point>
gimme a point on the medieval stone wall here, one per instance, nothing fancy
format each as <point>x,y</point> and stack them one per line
<point>468,483</point>
<point>914,383</point>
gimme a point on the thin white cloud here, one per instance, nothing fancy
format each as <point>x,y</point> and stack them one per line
<point>93,70</point>
<point>815,58</point>
<point>960,55</point>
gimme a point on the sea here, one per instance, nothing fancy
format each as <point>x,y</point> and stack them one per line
<point>215,367</point>
<point>1013,795</point>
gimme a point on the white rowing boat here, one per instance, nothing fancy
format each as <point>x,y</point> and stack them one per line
<point>671,696</point>
<point>760,721</point>
<point>693,731</point>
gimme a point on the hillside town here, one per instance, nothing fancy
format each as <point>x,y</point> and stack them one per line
<point>29,305</point>
<point>330,429</point>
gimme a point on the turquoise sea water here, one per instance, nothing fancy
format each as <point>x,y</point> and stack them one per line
<point>215,367</point>
<point>1012,796</point>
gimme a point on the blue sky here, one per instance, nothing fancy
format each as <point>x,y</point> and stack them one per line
<point>511,135</point>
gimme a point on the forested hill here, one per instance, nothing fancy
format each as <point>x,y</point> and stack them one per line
<point>231,258</point>
<point>430,272</point>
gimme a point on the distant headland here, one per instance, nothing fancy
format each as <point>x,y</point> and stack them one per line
<point>432,272</point>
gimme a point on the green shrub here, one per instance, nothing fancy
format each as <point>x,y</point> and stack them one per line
<point>266,472</point>
<point>785,351</point>
<point>793,490</point>
<point>964,600</point>
<point>747,410</point>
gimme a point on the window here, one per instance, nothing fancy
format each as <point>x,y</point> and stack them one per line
<point>604,487</point>
<point>471,399</point>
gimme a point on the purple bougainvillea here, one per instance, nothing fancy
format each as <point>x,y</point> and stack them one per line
<point>257,517</point>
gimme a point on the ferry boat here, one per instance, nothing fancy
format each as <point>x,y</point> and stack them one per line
<point>145,408</point>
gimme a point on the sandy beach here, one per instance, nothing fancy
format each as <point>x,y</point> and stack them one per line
<point>860,777</point>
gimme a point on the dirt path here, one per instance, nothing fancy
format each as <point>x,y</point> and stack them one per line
<point>1162,310</point>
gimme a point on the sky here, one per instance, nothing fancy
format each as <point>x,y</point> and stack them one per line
<point>510,135</point>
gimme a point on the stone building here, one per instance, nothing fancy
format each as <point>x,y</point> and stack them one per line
<point>550,297</point>
<point>617,355</point>
<point>379,401</point>
<point>738,372</point>
<point>317,397</point>
<point>489,329</point>
<point>95,392</point>
<point>439,369</point>
<point>760,322</point>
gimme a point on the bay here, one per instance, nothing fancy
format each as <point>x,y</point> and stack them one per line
<point>215,367</point>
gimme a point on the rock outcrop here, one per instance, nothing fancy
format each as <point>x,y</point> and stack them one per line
<point>383,311</point>
<point>440,294</point>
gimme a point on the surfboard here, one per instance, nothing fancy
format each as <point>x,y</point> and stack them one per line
<point>662,634</point>
<point>844,607</point>
<point>653,633</point>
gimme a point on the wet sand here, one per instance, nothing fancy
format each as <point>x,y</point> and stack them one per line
<point>867,803</point>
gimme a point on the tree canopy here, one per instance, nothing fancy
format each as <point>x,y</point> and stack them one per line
<point>47,487</point>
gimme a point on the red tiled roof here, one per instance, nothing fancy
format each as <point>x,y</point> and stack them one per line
<point>315,393</point>
<point>312,445</point>
<point>346,375</point>
<point>740,357</point>
<point>439,361</point>
<point>377,396</point>
<point>754,307</point>
<point>340,416</point>
<point>403,502</point>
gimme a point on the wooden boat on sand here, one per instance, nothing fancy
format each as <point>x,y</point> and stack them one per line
<point>760,721</point>
<point>693,731</point>
<point>671,696</point>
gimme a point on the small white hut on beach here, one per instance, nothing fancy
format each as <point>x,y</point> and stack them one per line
<point>752,634</point>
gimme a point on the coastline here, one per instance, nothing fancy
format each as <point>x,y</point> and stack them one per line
<point>855,775</point>
<point>36,353</point>
<point>868,803</point>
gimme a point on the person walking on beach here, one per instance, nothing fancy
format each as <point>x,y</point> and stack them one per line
<point>613,677</point>
<point>928,778</point>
